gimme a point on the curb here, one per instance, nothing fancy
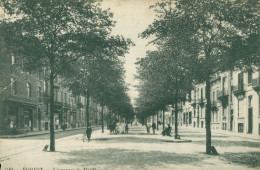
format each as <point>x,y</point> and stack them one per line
<point>37,134</point>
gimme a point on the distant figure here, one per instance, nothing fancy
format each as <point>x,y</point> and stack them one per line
<point>117,127</point>
<point>112,127</point>
<point>89,132</point>
<point>148,127</point>
<point>154,127</point>
<point>126,128</point>
<point>123,128</point>
<point>167,131</point>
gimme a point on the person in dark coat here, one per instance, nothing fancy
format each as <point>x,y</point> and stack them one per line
<point>167,131</point>
<point>126,128</point>
<point>154,127</point>
<point>89,132</point>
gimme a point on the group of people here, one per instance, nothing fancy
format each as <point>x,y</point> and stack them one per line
<point>118,128</point>
<point>149,126</point>
<point>165,132</point>
<point>123,129</point>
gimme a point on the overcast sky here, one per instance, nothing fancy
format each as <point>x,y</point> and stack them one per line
<point>132,17</point>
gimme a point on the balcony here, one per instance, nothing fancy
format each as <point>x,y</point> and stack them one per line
<point>56,84</point>
<point>57,105</point>
<point>193,103</point>
<point>46,97</point>
<point>79,105</point>
<point>239,90</point>
<point>223,96</point>
<point>214,106</point>
<point>66,105</point>
<point>256,84</point>
<point>201,102</point>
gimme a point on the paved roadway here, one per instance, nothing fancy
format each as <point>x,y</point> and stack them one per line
<point>136,150</point>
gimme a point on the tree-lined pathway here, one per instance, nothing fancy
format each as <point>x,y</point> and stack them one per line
<point>137,150</point>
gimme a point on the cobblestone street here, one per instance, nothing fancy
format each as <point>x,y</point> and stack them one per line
<point>136,150</point>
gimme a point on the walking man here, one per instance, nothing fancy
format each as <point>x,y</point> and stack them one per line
<point>154,127</point>
<point>89,132</point>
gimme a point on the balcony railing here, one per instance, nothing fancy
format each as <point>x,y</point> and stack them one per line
<point>58,103</point>
<point>256,84</point>
<point>239,89</point>
<point>223,96</point>
<point>66,105</point>
<point>193,103</point>
<point>79,105</point>
<point>201,102</point>
<point>214,106</point>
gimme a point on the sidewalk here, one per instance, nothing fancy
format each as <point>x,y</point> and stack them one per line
<point>221,132</point>
<point>36,133</point>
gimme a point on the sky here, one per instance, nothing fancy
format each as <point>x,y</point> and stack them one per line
<point>132,17</point>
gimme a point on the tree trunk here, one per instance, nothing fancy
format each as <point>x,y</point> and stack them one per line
<point>163,119</point>
<point>102,116</point>
<point>208,117</point>
<point>157,120</point>
<point>52,137</point>
<point>87,109</point>
<point>176,118</point>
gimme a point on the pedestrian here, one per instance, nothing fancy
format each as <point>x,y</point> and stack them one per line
<point>84,135</point>
<point>167,131</point>
<point>126,128</point>
<point>154,127</point>
<point>111,128</point>
<point>117,127</point>
<point>148,127</point>
<point>123,127</point>
<point>89,132</point>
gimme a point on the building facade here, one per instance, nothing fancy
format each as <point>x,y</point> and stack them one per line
<point>25,97</point>
<point>234,102</point>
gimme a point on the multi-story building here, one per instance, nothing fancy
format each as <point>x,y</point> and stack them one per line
<point>234,103</point>
<point>20,104</point>
<point>25,97</point>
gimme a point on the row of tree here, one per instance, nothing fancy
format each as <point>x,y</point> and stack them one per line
<point>72,39</point>
<point>195,39</point>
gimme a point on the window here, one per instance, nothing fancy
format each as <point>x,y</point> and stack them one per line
<point>224,84</point>
<point>189,117</point>
<point>240,127</point>
<point>40,94</point>
<point>249,78</point>
<point>201,93</point>
<point>216,116</point>
<point>29,90</point>
<point>56,95</point>
<point>240,110</point>
<point>240,80</point>
<point>258,128</point>
<point>13,86</point>
<point>45,86</point>
<point>213,97</point>
<point>13,60</point>
<point>65,98</point>
<point>249,101</point>
<point>224,126</point>
<point>61,96</point>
